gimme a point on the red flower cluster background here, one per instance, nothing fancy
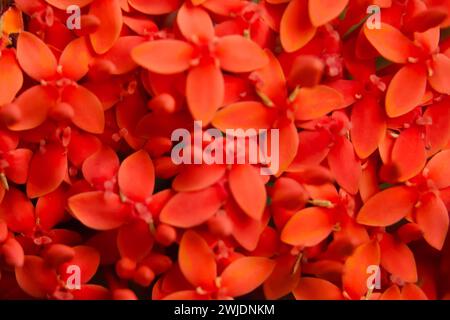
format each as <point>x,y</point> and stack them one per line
<point>89,189</point>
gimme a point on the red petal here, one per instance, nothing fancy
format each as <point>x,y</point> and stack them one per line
<point>412,292</point>
<point>248,189</point>
<point>440,80</point>
<point>75,59</point>
<point>197,177</point>
<point>35,278</point>
<point>51,208</point>
<point>48,168</point>
<point>101,166</point>
<point>17,211</point>
<point>91,292</point>
<point>63,4</point>
<point>388,207</point>
<point>323,11</point>
<point>88,110</point>
<point>164,56</point>
<point>197,261</point>
<point>254,270</point>
<point>155,6</point>
<point>315,102</point>
<point>282,280</point>
<point>248,58</point>
<point>439,169</point>
<point>308,227</point>
<point>289,143</point>
<point>188,209</point>
<point>432,218</point>
<point>195,23</point>
<point>85,258</point>
<point>355,276</point>
<point>11,78</point>
<point>391,43</point>
<point>134,240</point>
<point>345,165</point>
<point>19,162</point>
<point>400,101</point>
<point>137,167</point>
<point>110,15</point>
<point>296,29</point>
<point>205,91</point>
<point>316,289</point>
<point>392,293</point>
<point>35,58</point>
<point>99,210</point>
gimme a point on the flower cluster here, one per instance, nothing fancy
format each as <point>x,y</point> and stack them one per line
<point>93,205</point>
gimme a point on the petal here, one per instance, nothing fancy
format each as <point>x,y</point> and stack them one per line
<point>99,210</point>
<point>81,147</point>
<point>137,167</point>
<point>48,167</point>
<point>205,91</point>
<point>101,166</point>
<point>88,110</point>
<point>188,209</point>
<point>315,102</point>
<point>11,78</point>
<point>439,170</point>
<point>155,6</point>
<point>316,289</point>
<point>256,116</point>
<point>75,59</point>
<point>195,23</point>
<point>282,280</point>
<point>248,58</point>
<point>391,43</point>
<point>35,58</point>
<point>388,207</point>
<point>134,240</point>
<point>19,162</point>
<point>432,218</point>
<point>63,4</point>
<point>296,29</point>
<point>313,147</point>
<point>368,126</point>
<point>197,177</point>
<point>392,293</point>
<point>412,292</point>
<point>33,106</point>
<point>197,261</point>
<point>91,292</point>
<point>323,11</point>
<point>164,56</point>
<point>409,154</point>
<point>398,259</point>
<point>345,165</point>
<point>289,143</point>
<point>355,275</point>
<point>440,79</point>
<point>35,278</point>
<point>51,209</point>
<point>110,15</point>
<point>85,258</point>
<point>17,211</point>
<point>438,135</point>
<point>255,270</point>
<point>308,227</point>
<point>400,101</point>
<point>248,190</point>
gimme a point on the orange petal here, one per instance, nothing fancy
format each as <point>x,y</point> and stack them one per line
<point>398,259</point>
<point>110,15</point>
<point>440,79</point>
<point>86,258</point>
<point>248,58</point>
<point>75,59</point>
<point>197,261</point>
<point>392,293</point>
<point>36,278</point>
<point>282,280</point>
<point>137,167</point>
<point>254,270</point>
<point>308,227</point>
<point>197,177</point>
<point>315,102</point>
<point>257,116</point>
<point>296,29</point>
<point>432,218</point>
<point>323,11</point>
<point>248,190</point>
<point>188,209</point>
<point>391,43</point>
<point>155,6</point>
<point>164,56</point>
<point>289,142</point>
<point>388,207</point>
<point>51,209</point>
<point>88,110</point>
<point>195,23</point>
<point>400,101</point>
<point>439,169</point>
<point>19,162</point>
<point>63,4</point>
<point>99,210</point>
<point>316,289</point>
<point>11,78</point>
<point>205,91</point>
<point>35,58</point>
<point>368,126</point>
<point>134,240</point>
<point>345,165</point>
<point>48,167</point>
<point>409,154</point>
<point>100,166</point>
<point>412,292</point>
<point>355,274</point>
